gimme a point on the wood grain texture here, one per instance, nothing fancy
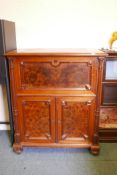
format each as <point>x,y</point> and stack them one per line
<point>65,75</point>
<point>108,117</point>
<point>37,119</point>
<point>52,73</point>
<point>76,119</point>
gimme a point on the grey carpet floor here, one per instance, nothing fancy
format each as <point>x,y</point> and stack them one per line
<point>44,161</point>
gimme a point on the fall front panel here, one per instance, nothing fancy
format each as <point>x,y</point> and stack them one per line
<point>56,73</point>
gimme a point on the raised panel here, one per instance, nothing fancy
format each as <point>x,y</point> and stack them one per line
<point>41,75</point>
<point>57,73</point>
<point>108,117</point>
<point>75,119</point>
<point>37,118</point>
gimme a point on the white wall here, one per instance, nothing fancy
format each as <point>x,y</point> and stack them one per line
<point>4,115</point>
<point>59,23</point>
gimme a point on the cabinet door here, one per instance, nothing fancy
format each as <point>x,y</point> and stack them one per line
<point>75,119</point>
<point>37,119</point>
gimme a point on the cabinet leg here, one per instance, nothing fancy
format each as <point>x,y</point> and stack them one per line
<point>17,148</point>
<point>95,149</point>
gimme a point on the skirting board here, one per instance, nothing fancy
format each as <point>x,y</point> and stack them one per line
<point>4,126</point>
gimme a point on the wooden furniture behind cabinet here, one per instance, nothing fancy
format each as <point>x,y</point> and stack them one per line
<point>108,109</point>
<point>56,98</point>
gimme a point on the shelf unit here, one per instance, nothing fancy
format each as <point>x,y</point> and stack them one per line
<point>108,108</point>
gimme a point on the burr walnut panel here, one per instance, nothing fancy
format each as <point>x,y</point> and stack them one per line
<point>108,117</point>
<point>57,74</point>
<point>45,75</point>
<point>74,119</point>
<point>37,118</point>
<point>65,75</point>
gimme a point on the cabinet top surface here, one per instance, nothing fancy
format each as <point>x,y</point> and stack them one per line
<point>56,52</point>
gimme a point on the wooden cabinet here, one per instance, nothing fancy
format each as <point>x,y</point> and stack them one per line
<point>108,108</point>
<point>56,98</point>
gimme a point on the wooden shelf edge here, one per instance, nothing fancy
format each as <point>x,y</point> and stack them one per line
<point>108,135</point>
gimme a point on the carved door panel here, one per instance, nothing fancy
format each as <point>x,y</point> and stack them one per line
<point>75,119</point>
<point>50,73</point>
<point>37,119</point>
